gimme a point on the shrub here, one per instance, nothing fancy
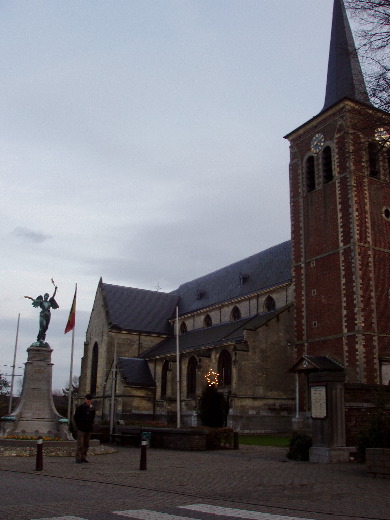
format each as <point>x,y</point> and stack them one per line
<point>213,407</point>
<point>299,447</point>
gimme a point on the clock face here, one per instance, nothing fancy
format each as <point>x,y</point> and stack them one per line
<point>383,137</point>
<point>317,143</point>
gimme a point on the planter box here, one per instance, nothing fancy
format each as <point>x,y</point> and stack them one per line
<point>378,462</point>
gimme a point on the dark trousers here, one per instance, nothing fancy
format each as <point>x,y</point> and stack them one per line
<point>82,444</point>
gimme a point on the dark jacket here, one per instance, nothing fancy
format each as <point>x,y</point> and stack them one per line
<point>84,417</point>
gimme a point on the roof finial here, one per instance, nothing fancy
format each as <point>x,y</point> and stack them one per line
<point>345,77</point>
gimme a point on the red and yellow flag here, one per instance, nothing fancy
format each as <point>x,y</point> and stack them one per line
<point>72,315</point>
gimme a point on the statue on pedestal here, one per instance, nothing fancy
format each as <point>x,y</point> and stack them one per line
<point>45,304</point>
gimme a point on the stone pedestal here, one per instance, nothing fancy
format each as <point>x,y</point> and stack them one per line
<point>328,417</point>
<point>36,414</point>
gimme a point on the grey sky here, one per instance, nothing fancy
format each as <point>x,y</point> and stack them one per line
<point>142,141</point>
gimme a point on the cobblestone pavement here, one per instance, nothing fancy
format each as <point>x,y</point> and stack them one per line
<point>250,478</point>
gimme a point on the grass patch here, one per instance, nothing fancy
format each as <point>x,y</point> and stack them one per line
<point>264,440</point>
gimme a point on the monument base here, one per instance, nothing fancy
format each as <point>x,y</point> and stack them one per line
<point>36,414</point>
<point>325,455</point>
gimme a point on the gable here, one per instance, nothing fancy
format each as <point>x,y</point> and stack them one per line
<point>138,310</point>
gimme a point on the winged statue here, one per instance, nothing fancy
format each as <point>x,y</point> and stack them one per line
<point>45,303</point>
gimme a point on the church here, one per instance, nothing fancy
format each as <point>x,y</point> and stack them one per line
<point>260,327</point>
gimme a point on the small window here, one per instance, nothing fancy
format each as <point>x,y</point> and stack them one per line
<point>164,378</point>
<point>94,368</point>
<point>269,304</point>
<point>207,321</point>
<point>373,160</point>
<point>200,294</point>
<point>236,314</point>
<point>243,278</point>
<point>183,328</point>
<point>310,172</point>
<point>327,164</point>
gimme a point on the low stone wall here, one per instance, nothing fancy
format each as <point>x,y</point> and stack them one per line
<point>171,439</point>
<point>378,462</point>
<point>188,439</point>
<point>25,448</point>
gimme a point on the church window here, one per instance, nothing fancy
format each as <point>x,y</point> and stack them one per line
<point>207,321</point>
<point>327,164</point>
<point>183,328</point>
<point>386,213</point>
<point>310,172</point>
<point>191,375</point>
<point>236,314</point>
<point>164,378</point>
<point>94,368</point>
<point>269,304</point>
<point>373,160</point>
<point>224,369</point>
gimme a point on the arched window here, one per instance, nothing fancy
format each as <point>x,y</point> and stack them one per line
<point>164,378</point>
<point>225,369</point>
<point>191,375</point>
<point>94,368</point>
<point>310,172</point>
<point>373,160</point>
<point>207,321</point>
<point>269,304</point>
<point>183,328</point>
<point>236,314</point>
<point>327,164</point>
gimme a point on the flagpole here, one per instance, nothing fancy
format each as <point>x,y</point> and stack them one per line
<point>113,384</point>
<point>71,368</point>
<point>13,367</point>
<point>178,404</point>
<point>70,380</point>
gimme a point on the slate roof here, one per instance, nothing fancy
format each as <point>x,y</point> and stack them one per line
<point>220,334</point>
<point>317,364</point>
<point>260,271</point>
<point>138,310</point>
<point>345,78</point>
<point>135,371</point>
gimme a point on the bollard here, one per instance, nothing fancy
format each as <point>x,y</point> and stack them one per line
<point>142,463</point>
<point>236,443</point>
<point>39,458</point>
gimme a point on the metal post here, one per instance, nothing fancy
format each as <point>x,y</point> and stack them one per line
<point>142,463</point>
<point>113,385</point>
<point>178,401</point>
<point>13,368</point>
<point>39,457</point>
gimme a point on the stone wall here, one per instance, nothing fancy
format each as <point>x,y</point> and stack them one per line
<point>359,407</point>
<point>378,462</point>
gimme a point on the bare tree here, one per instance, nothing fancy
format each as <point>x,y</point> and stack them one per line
<point>374,46</point>
<point>4,386</point>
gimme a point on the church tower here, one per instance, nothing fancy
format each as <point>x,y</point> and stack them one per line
<point>340,217</point>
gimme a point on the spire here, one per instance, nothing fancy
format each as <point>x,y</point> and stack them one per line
<point>345,77</point>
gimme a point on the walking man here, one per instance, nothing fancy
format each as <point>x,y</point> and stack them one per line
<point>84,417</point>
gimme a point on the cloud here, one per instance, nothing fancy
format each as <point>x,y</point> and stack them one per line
<point>30,235</point>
